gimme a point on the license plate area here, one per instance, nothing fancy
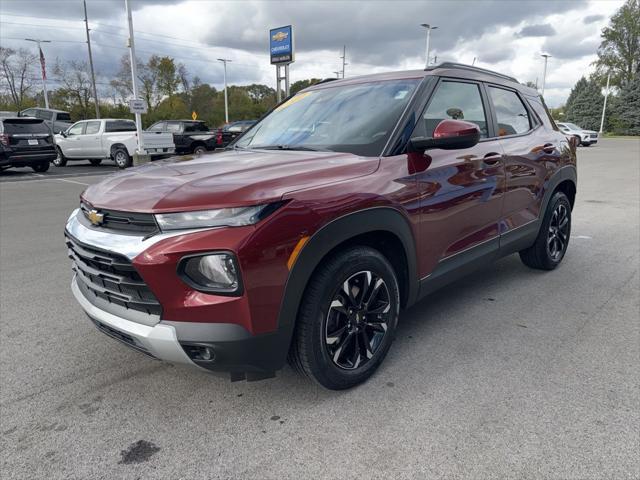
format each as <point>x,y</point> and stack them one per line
<point>32,141</point>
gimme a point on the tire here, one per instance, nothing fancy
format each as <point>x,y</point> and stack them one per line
<point>60,160</point>
<point>199,150</point>
<point>330,341</point>
<point>121,157</point>
<point>40,167</point>
<point>95,161</point>
<point>553,238</point>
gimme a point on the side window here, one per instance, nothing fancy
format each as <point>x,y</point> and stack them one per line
<point>173,127</point>
<point>30,112</point>
<point>453,101</point>
<point>77,129</point>
<point>122,126</point>
<point>44,115</point>
<point>513,117</point>
<point>157,127</point>
<point>92,128</point>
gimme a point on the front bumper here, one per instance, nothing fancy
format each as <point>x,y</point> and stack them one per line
<point>159,341</point>
<point>197,320</point>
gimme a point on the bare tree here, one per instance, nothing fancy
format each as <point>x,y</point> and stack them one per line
<point>75,89</point>
<point>15,73</point>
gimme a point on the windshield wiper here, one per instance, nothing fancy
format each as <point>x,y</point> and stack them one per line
<point>289,147</point>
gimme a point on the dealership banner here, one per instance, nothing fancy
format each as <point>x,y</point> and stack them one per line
<point>281,45</point>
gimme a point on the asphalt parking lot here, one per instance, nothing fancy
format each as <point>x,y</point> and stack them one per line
<point>510,373</point>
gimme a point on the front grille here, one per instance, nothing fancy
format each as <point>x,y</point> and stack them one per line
<point>594,135</point>
<point>111,277</point>
<point>124,221</point>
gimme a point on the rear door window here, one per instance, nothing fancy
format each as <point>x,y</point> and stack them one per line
<point>511,114</point>
<point>92,128</point>
<point>453,101</point>
<point>122,126</point>
<point>63,117</point>
<point>22,126</point>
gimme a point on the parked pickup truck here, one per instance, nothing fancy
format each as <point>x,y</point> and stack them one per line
<point>56,120</point>
<point>96,140</point>
<point>190,136</point>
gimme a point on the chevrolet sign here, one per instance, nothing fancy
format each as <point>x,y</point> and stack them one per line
<point>281,45</point>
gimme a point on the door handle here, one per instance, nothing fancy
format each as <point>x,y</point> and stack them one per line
<point>549,148</point>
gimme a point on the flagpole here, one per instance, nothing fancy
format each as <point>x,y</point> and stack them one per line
<point>43,71</point>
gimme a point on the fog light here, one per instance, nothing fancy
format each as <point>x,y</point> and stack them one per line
<point>216,272</point>
<point>199,352</point>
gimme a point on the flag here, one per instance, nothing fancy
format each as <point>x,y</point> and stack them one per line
<point>42,64</point>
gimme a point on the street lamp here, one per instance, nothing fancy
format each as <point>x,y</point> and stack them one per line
<point>226,104</point>
<point>429,28</point>
<point>44,74</point>
<point>544,74</point>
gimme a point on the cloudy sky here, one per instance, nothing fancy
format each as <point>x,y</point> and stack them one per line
<point>505,35</point>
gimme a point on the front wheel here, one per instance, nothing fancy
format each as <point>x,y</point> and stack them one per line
<point>347,320</point>
<point>60,160</point>
<point>122,158</point>
<point>553,238</point>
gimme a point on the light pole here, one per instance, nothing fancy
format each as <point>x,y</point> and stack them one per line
<point>226,104</point>
<point>344,58</point>
<point>93,75</point>
<point>544,74</point>
<point>429,28</point>
<point>44,73</point>
<point>604,106</point>
<point>134,79</point>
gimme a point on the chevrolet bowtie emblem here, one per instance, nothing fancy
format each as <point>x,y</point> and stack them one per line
<point>280,36</point>
<point>95,217</point>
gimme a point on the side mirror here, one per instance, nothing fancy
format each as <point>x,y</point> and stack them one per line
<point>448,135</point>
<point>63,133</point>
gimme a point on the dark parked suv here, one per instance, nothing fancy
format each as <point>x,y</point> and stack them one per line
<point>349,202</point>
<point>189,136</point>
<point>26,142</point>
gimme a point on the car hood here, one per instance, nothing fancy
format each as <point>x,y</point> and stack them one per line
<point>225,179</point>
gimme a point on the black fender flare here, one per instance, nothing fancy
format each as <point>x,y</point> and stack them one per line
<point>339,230</point>
<point>568,172</point>
<point>115,146</point>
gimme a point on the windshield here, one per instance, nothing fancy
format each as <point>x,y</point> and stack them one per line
<point>351,118</point>
<point>573,126</point>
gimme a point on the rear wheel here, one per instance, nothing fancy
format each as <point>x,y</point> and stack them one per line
<point>553,238</point>
<point>95,161</point>
<point>347,320</point>
<point>60,160</point>
<point>121,157</point>
<point>40,167</point>
<point>199,150</point>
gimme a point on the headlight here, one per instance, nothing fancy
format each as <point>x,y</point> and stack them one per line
<point>214,272</point>
<point>231,217</point>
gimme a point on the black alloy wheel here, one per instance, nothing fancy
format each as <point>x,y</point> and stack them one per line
<point>558,234</point>
<point>357,320</point>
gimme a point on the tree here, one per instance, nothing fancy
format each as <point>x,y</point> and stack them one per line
<point>75,94</point>
<point>584,105</point>
<point>619,51</point>
<point>15,74</point>
<point>626,109</point>
<point>302,84</point>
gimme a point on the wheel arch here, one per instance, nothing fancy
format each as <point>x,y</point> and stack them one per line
<point>564,180</point>
<point>116,146</point>
<point>383,228</point>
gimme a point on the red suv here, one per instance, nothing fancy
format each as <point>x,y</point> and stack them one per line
<point>350,201</point>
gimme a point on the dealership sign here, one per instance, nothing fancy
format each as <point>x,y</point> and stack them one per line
<point>281,45</point>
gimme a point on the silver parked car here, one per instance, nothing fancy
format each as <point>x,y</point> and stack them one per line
<point>57,120</point>
<point>585,137</point>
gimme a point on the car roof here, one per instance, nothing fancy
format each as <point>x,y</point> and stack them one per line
<point>447,69</point>
<point>46,109</point>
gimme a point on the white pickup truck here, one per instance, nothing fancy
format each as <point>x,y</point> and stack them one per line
<point>96,140</point>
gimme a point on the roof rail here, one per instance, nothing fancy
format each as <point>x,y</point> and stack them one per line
<point>325,80</point>
<point>472,68</point>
